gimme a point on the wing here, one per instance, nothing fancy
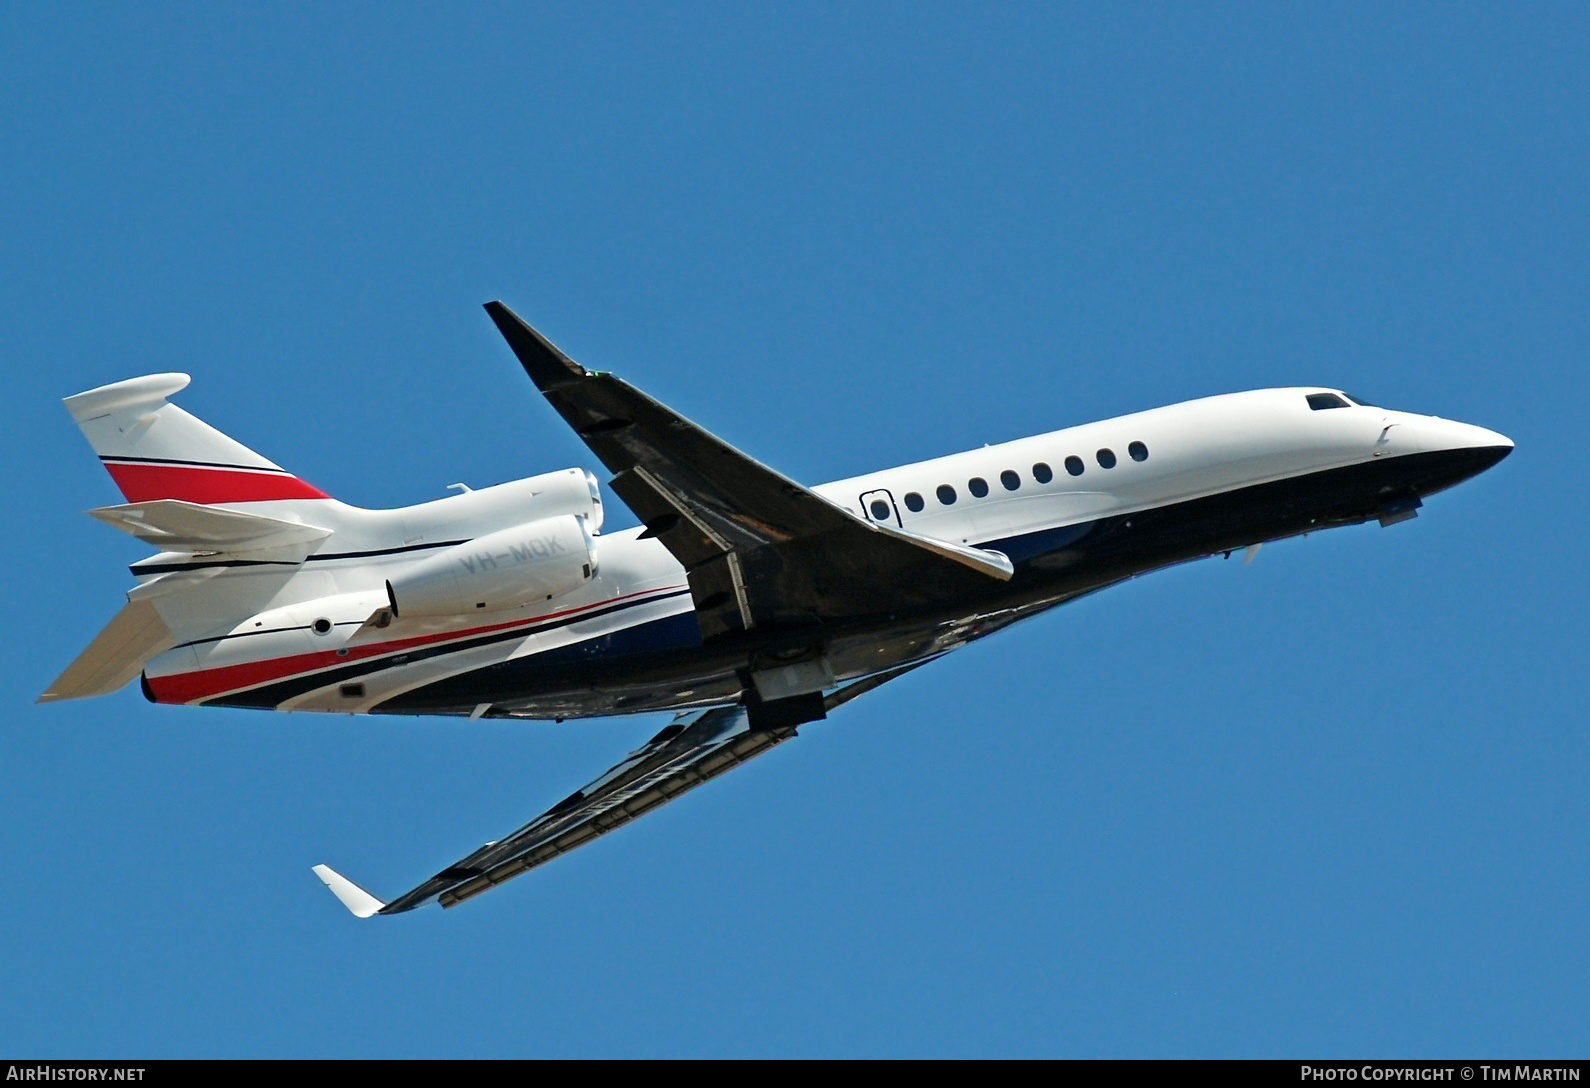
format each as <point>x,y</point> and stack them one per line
<point>696,748</point>
<point>760,550</point>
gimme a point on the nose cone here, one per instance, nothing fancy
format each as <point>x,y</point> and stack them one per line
<point>1432,434</point>
<point>1481,448</point>
<point>1446,452</point>
<point>1488,455</point>
<point>1479,438</point>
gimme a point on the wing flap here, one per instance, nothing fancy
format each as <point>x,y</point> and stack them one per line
<point>136,634</point>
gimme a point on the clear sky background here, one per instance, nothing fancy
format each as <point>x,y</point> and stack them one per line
<point>1333,803</point>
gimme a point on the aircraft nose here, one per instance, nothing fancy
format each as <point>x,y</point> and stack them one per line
<point>1500,442</point>
<point>1490,452</point>
<point>1480,438</point>
<point>1436,435</point>
<point>1451,451</point>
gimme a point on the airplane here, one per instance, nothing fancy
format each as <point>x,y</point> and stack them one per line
<point>745,602</point>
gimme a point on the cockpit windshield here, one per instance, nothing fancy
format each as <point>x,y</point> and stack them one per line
<point>1321,401</point>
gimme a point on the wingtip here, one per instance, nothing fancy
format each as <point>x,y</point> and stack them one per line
<point>546,365</point>
<point>360,903</point>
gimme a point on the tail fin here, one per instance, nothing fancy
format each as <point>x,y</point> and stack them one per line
<point>155,450</point>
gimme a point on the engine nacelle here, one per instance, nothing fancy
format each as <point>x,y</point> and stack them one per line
<point>524,564</point>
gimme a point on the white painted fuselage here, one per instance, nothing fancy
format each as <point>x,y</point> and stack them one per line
<point>319,631</point>
<point>748,602</point>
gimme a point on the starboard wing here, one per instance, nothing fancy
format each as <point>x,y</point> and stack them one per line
<point>694,749</point>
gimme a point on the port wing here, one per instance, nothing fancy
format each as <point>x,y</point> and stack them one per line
<point>760,549</point>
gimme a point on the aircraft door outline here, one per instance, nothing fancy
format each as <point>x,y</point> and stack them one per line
<point>879,506</point>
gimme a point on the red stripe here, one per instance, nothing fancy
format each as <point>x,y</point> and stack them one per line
<point>141,483</point>
<point>193,686</point>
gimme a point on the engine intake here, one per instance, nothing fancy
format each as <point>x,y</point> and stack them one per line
<point>521,565</point>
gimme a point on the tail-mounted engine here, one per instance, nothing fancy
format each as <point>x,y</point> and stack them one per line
<point>522,565</point>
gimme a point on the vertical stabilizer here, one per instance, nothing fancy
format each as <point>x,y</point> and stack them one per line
<point>155,450</point>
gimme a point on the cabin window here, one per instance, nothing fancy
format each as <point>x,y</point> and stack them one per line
<point>977,486</point>
<point>946,494</point>
<point>1106,458</point>
<point>913,502</point>
<point>1010,480</point>
<point>1042,473</point>
<point>1321,401</point>
<point>1138,451</point>
<point>880,510</point>
<point>1074,465</point>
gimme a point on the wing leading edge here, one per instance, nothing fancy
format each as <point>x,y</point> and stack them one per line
<point>694,749</point>
<point>760,550</point>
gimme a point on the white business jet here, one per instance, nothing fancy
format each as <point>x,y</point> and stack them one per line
<point>748,603</point>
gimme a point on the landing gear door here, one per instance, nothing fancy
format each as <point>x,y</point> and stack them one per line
<point>879,506</point>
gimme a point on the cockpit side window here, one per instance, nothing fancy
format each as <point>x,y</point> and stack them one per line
<point>1360,401</point>
<point>1321,401</point>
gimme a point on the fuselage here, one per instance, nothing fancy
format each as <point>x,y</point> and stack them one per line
<point>1075,510</point>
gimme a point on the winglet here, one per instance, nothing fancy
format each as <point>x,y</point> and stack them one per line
<point>547,366</point>
<point>358,901</point>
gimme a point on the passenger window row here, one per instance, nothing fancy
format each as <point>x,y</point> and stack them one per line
<point>1011,481</point>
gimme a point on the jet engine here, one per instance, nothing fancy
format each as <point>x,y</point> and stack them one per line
<point>521,565</point>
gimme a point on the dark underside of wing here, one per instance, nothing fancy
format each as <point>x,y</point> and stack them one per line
<point>763,555</point>
<point>760,550</point>
<point>696,748</point>
<point>681,757</point>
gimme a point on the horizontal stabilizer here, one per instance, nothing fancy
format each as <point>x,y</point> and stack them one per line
<point>115,656</point>
<point>176,526</point>
<point>360,903</point>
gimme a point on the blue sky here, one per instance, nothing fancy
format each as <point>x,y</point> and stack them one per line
<point>1329,804</point>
